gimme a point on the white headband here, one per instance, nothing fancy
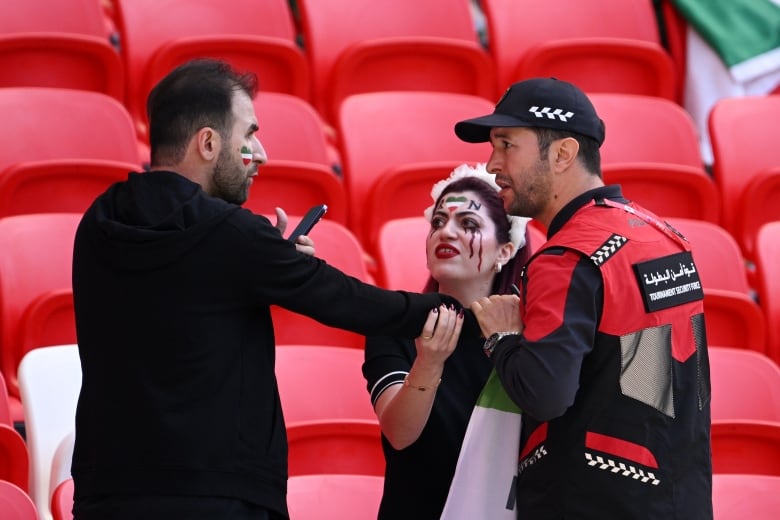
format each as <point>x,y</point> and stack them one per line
<point>517,225</point>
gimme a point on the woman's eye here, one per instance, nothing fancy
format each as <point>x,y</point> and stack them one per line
<point>437,222</point>
<point>468,223</point>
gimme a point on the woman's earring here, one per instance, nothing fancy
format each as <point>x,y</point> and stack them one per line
<point>498,267</point>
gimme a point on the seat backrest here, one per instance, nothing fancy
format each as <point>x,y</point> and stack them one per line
<point>401,254</point>
<point>669,190</point>
<point>335,244</point>
<point>73,16</point>
<point>296,186</point>
<point>62,501</point>
<point>514,26</point>
<point>351,446</point>
<point>646,129</point>
<point>741,131</point>
<point>717,255</point>
<point>377,134</point>
<point>745,385</point>
<point>768,275</point>
<point>49,380</point>
<point>15,503</point>
<point>291,129</point>
<point>58,185</point>
<point>330,28</point>
<point>245,32</point>
<point>746,446</point>
<point>14,458</point>
<point>37,252</point>
<point>734,319</point>
<point>740,496</point>
<point>322,382</point>
<point>81,125</point>
<point>334,496</point>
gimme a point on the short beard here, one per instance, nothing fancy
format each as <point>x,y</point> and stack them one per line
<point>228,187</point>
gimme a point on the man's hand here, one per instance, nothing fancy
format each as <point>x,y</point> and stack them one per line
<point>498,313</point>
<point>303,244</point>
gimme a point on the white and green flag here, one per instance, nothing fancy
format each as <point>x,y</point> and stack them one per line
<point>733,49</point>
<point>484,483</point>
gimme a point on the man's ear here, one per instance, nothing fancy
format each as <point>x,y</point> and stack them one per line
<point>564,153</point>
<point>209,143</point>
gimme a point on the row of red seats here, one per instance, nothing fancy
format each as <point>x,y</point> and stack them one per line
<point>336,431</point>
<point>603,45</point>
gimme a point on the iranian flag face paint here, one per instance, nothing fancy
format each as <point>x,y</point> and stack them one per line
<point>453,203</point>
<point>246,155</point>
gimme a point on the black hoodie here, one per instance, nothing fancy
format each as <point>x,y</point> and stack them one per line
<point>172,290</point>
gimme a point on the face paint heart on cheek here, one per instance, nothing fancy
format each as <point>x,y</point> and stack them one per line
<point>246,155</point>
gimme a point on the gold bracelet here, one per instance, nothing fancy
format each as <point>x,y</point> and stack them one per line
<point>421,388</point>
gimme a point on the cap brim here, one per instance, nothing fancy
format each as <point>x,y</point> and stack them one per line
<point>477,130</point>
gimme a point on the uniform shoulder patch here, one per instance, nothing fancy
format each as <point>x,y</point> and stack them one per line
<point>607,249</point>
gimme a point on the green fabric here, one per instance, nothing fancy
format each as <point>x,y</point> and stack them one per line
<point>736,29</point>
<point>494,396</point>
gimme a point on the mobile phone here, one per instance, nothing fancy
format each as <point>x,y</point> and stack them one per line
<point>307,222</point>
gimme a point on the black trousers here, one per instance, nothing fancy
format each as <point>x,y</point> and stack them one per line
<point>170,508</point>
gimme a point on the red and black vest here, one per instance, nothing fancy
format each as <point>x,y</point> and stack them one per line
<point>635,443</point>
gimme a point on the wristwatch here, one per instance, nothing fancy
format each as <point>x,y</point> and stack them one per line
<point>492,341</point>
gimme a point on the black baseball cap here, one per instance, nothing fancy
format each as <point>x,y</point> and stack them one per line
<point>537,102</point>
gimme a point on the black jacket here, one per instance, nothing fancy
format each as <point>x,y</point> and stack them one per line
<point>172,290</point>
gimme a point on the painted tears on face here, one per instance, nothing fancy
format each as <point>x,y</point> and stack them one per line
<point>453,203</point>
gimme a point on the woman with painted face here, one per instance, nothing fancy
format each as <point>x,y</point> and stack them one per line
<point>424,390</point>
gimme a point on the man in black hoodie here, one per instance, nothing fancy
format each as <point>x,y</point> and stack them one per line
<point>179,413</point>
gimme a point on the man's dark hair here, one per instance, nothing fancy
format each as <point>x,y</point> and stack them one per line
<point>589,152</point>
<point>192,96</point>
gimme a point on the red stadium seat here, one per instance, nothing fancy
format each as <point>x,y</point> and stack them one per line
<point>601,45</point>
<point>62,501</point>
<point>351,446</point>
<point>357,46</point>
<point>745,385</point>
<point>322,382</point>
<point>734,319</point>
<point>335,244</point>
<point>377,135</point>
<point>36,260</point>
<point>58,185</point>
<point>401,254</point>
<point>768,277</point>
<point>255,35</point>
<point>742,131</point>
<point>334,497</point>
<point>15,504</point>
<point>746,446</point>
<point>14,459</point>
<point>742,496</point>
<point>669,190</point>
<point>50,43</point>
<point>295,187</point>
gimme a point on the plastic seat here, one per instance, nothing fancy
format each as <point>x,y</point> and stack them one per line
<point>36,260</point>
<point>601,46</point>
<point>80,125</point>
<point>14,459</point>
<point>334,497</point>
<point>351,446</point>
<point>669,190</point>
<point>395,45</point>
<point>768,278</point>
<point>57,186</point>
<point>718,257</point>
<point>15,503</point>
<point>49,381</point>
<point>734,319</point>
<point>745,385</point>
<point>737,497</point>
<point>401,254</point>
<point>62,501</point>
<point>378,135</point>
<point>291,129</point>
<point>335,244</point>
<point>49,43</point>
<point>643,129</point>
<point>319,382</point>
<point>296,186</point>
<point>741,131</point>
<point>746,446</point>
<point>252,35</point>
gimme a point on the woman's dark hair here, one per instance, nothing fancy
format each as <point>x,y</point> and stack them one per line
<point>192,96</point>
<point>589,148</point>
<point>510,273</point>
